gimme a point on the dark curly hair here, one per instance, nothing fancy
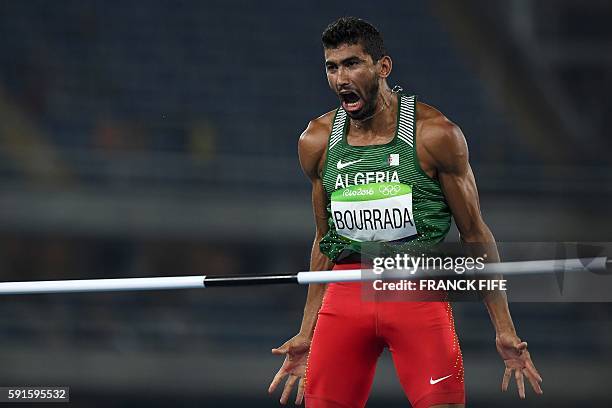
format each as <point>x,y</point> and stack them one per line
<point>353,30</point>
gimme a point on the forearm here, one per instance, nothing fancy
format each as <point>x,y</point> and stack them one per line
<point>497,306</point>
<point>482,242</point>
<point>316,291</point>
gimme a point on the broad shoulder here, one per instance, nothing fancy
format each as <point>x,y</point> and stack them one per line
<point>317,132</point>
<point>442,139</point>
<point>312,143</point>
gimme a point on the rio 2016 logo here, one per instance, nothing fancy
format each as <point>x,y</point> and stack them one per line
<point>358,192</point>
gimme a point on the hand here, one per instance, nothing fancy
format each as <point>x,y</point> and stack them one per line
<point>296,354</point>
<point>516,358</point>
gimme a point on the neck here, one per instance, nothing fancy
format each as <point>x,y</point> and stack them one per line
<point>383,115</point>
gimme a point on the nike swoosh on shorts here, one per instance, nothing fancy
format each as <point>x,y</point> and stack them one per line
<point>432,381</point>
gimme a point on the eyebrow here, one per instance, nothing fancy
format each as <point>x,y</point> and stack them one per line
<point>344,61</point>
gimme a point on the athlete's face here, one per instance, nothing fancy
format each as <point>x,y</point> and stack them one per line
<point>354,77</point>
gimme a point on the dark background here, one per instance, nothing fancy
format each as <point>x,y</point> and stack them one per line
<point>159,138</point>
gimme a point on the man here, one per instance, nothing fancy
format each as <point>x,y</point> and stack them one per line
<point>385,139</point>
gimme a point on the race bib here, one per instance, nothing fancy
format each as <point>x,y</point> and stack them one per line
<point>374,212</point>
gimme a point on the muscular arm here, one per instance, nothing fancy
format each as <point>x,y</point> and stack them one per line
<point>445,145</point>
<point>311,149</point>
<point>445,150</point>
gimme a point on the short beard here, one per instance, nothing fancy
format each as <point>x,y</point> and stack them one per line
<point>369,99</point>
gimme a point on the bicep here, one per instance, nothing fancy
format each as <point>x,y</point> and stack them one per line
<point>458,183</point>
<point>311,152</point>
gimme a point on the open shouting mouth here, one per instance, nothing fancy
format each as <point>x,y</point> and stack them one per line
<point>351,101</point>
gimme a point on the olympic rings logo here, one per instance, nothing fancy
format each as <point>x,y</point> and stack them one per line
<point>389,190</point>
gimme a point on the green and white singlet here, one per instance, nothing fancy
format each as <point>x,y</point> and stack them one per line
<point>379,193</point>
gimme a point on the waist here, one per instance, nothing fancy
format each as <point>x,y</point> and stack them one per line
<point>352,260</point>
<point>368,292</point>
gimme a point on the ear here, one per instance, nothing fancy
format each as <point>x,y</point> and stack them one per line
<point>385,65</point>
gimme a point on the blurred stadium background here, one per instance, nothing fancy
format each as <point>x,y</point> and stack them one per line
<point>159,138</point>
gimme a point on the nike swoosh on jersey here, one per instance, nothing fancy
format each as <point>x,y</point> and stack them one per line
<point>432,381</point>
<point>341,165</point>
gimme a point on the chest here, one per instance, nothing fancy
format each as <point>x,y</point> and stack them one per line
<point>359,165</point>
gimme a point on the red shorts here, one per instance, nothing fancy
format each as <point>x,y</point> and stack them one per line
<point>350,335</point>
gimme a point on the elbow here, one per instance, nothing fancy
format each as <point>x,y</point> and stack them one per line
<point>478,232</point>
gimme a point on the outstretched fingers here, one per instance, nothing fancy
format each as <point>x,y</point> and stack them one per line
<point>506,379</point>
<point>534,381</point>
<point>300,394</point>
<point>288,387</point>
<point>520,382</point>
<point>277,379</point>
<point>532,370</point>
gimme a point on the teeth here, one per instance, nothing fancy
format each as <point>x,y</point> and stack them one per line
<point>352,105</point>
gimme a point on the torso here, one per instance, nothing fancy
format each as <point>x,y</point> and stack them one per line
<point>387,177</point>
